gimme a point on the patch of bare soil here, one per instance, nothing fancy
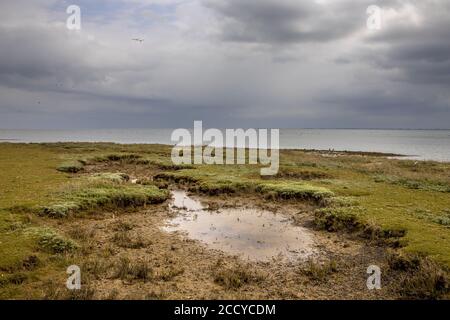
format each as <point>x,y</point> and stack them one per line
<point>129,256</point>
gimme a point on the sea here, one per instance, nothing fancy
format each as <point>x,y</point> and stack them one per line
<point>412,144</point>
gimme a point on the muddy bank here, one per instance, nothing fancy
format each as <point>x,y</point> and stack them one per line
<point>134,255</point>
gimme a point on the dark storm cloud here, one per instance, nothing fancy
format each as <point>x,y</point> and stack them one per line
<point>40,57</point>
<point>421,51</point>
<point>288,21</point>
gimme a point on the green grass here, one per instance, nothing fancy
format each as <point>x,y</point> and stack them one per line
<point>296,190</point>
<point>438,186</point>
<point>29,178</point>
<point>14,244</point>
<point>110,177</point>
<point>219,183</point>
<point>51,241</point>
<point>28,174</point>
<point>298,173</point>
<point>378,197</point>
<point>100,195</point>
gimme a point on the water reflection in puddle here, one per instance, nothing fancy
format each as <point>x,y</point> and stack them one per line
<point>254,234</point>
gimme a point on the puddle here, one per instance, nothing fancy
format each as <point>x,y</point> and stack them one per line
<point>253,234</point>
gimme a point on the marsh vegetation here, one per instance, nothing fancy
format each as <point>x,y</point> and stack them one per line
<point>104,207</point>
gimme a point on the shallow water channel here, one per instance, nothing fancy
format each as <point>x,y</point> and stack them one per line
<point>251,233</point>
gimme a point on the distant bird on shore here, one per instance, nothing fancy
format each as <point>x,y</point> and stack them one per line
<point>138,40</point>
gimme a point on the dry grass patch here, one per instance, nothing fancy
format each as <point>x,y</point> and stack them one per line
<point>128,270</point>
<point>421,278</point>
<point>125,240</point>
<point>319,271</point>
<point>235,276</point>
<point>71,167</point>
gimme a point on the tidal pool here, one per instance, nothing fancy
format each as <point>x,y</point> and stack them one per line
<point>251,233</point>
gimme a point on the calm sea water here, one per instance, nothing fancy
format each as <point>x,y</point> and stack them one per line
<point>416,144</point>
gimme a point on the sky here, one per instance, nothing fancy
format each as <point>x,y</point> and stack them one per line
<point>229,63</point>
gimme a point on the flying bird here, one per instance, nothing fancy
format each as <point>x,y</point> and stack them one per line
<point>138,40</point>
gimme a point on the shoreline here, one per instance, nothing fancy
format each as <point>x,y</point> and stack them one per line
<point>321,151</point>
<point>423,145</point>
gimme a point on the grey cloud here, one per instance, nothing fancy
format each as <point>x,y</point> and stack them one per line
<point>315,66</point>
<point>386,102</point>
<point>278,22</point>
<point>420,53</point>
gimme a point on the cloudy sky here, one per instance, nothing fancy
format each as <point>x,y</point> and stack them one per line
<point>230,63</point>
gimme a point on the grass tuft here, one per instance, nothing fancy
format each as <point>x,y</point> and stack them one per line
<point>235,277</point>
<point>103,195</point>
<point>127,270</point>
<point>71,167</point>
<point>114,157</point>
<point>124,240</point>
<point>273,190</point>
<point>421,277</point>
<point>289,172</point>
<point>336,219</point>
<point>299,191</point>
<point>110,177</point>
<point>59,210</point>
<point>50,241</point>
<point>319,271</point>
<point>17,278</point>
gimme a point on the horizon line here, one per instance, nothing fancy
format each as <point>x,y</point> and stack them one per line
<point>173,128</point>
